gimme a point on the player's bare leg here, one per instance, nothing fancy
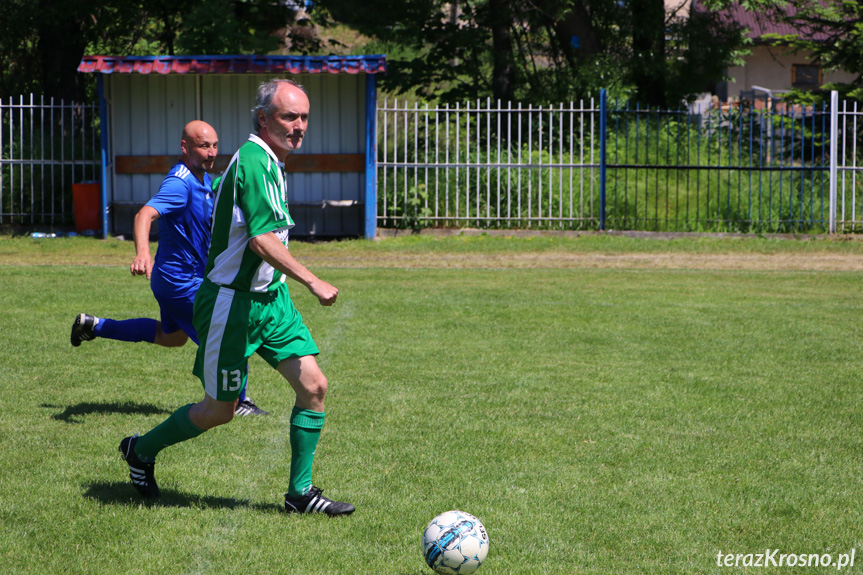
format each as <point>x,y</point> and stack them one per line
<point>209,413</point>
<point>176,338</point>
<point>307,420</point>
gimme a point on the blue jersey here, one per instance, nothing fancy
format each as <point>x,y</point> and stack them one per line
<point>185,207</point>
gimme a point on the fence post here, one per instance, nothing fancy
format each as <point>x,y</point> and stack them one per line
<point>103,139</point>
<point>834,160</point>
<point>371,199</point>
<point>603,96</point>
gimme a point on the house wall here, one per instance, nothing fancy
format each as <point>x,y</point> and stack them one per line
<point>678,8</point>
<point>771,68</point>
<point>148,112</point>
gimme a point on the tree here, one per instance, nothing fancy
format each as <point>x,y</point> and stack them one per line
<point>648,69</point>
<point>42,41</point>
<point>17,48</point>
<point>503,64</point>
<point>540,51</point>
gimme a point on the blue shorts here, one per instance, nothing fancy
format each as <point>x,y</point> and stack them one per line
<point>177,314</point>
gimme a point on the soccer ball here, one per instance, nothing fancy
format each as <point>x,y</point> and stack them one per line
<point>455,543</point>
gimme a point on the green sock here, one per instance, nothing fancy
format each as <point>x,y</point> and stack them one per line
<point>173,430</point>
<point>305,430</point>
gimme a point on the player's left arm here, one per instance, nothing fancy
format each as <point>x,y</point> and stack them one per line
<point>271,249</point>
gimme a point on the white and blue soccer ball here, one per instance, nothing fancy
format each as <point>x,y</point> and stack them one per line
<point>455,543</point>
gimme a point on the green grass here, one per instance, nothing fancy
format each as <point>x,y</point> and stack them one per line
<point>598,421</point>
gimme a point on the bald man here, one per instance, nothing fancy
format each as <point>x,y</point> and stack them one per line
<point>183,207</point>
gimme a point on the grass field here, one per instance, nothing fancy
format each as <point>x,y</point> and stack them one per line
<point>605,405</point>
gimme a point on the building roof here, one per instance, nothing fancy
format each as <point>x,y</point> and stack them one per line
<point>759,23</point>
<point>375,64</point>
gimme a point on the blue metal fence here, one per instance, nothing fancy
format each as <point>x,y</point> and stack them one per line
<point>733,168</point>
<point>757,166</point>
<point>751,166</point>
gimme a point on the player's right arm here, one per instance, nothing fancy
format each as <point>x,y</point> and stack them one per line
<point>271,249</point>
<point>143,262</point>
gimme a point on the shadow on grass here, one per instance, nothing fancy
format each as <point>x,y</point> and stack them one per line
<point>75,413</point>
<point>122,493</point>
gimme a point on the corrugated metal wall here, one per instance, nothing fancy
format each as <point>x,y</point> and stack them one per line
<point>148,113</point>
<point>147,117</point>
<point>336,125</point>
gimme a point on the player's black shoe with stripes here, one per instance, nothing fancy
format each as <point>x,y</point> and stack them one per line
<point>248,407</point>
<point>140,472</point>
<point>314,502</point>
<point>82,329</point>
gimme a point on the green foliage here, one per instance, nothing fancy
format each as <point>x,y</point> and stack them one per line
<point>700,49</point>
<point>41,43</point>
<point>231,27</point>
<point>415,213</point>
<point>738,171</point>
<point>17,48</point>
<point>538,52</point>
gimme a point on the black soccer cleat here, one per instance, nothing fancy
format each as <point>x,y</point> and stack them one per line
<point>140,472</point>
<point>314,502</point>
<point>82,329</point>
<point>248,407</point>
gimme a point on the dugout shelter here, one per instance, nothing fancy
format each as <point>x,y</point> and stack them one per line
<point>146,100</point>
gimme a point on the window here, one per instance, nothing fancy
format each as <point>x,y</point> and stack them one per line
<point>806,76</point>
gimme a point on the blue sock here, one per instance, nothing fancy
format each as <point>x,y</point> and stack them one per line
<point>134,330</point>
<point>242,396</point>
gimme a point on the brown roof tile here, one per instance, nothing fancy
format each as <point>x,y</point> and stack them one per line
<point>761,23</point>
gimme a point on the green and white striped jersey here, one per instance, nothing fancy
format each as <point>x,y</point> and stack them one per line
<point>251,200</point>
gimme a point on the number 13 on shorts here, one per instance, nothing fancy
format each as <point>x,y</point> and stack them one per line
<point>232,380</point>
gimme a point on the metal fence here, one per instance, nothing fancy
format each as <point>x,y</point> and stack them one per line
<point>587,165</point>
<point>733,168</point>
<point>488,166</point>
<point>846,165</point>
<point>599,165</point>
<point>45,148</point>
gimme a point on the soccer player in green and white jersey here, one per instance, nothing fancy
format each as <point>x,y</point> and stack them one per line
<point>243,305</point>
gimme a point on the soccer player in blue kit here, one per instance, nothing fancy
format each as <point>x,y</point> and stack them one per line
<point>184,208</point>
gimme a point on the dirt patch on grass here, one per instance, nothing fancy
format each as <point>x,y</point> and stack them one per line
<point>317,258</point>
<point>566,260</point>
<point>809,255</point>
<point>682,251</point>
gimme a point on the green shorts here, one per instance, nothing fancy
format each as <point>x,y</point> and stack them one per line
<point>232,325</point>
